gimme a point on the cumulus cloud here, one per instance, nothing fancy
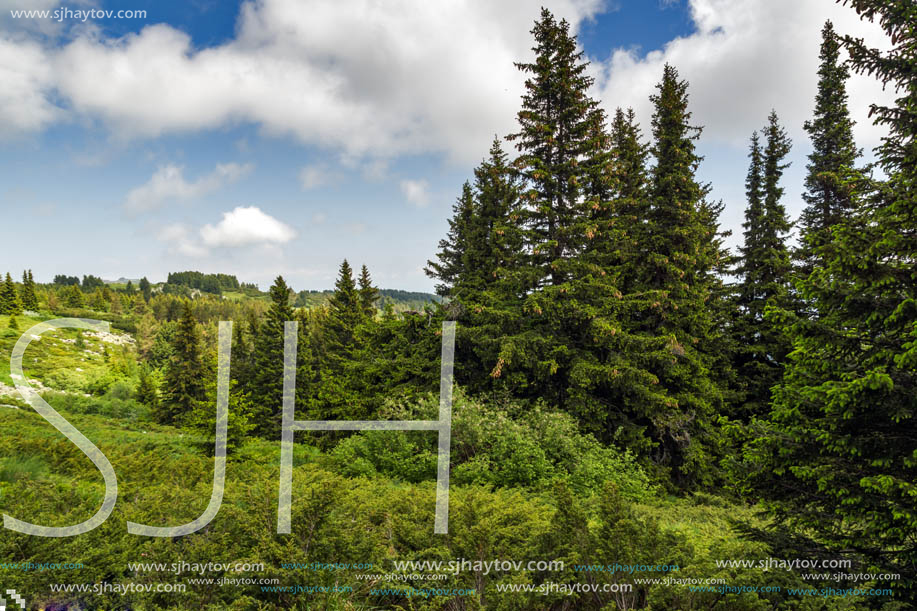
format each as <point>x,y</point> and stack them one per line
<point>28,81</point>
<point>181,241</point>
<point>363,77</point>
<point>417,192</point>
<point>381,79</point>
<point>244,226</point>
<point>168,183</point>
<point>745,58</point>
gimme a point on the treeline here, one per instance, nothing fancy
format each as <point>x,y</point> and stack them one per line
<point>208,283</point>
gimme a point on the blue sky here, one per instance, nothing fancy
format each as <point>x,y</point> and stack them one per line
<point>279,137</point>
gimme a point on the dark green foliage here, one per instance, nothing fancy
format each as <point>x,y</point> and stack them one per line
<point>62,280</point>
<point>345,312</point>
<point>10,304</point>
<point>184,383</point>
<point>450,265</point>
<point>674,286</point>
<point>208,283</point>
<point>557,131</point>
<point>267,377</point>
<point>27,292</point>
<point>828,194</point>
<point>72,297</point>
<point>145,289</point>
<point>91,283</point>
<point>147,391</point>
<point>837,459</point>
<point>369,294</point>
<point>764,272</point>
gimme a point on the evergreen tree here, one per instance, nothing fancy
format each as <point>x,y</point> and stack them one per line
<point>129,289</point>
<point>369,294</point>
<point>146,289</point>
<point>494,236</point>
<point>837,461</point>
<point>449,265</point>
<point>267,383</point>
<point>242,350</point>
<point>345,313</point>
<point>72,297</point>
<point>27,292</point>
<point>777,225</point>
<point>828,194</point>
<point>184,383</point>
<point>675,288</point>
<point>337,393</point>
<point>764,270</point>
<point>557,134</point>
<point>10,304</point>
<point>147,392</point>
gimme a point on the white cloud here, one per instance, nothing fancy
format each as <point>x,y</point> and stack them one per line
<point>244,226</point>
<point>168,184</point>
<point>417,192</point>
<point>380,79</point>
<point>363,77</point>
<point>181,241</point>
<point>27,84</point>
<point>745,58</point>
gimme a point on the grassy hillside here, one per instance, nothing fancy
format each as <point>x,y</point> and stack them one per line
<point>525,486</point>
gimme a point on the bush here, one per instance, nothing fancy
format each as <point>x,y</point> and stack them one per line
<point>493,445</point>
<point>110,406</point>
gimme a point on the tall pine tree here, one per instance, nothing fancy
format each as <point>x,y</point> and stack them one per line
<point>675,286</point>
<point>829,196</point>
<point>557,134</point>
<point>267,378</point>
<point>838,460</point>
<point>184,383</point>
<point>369,294</point>
<point>10,304</point>
<point>764,271</point>
<point>449,266</point>
<point>27,292</point>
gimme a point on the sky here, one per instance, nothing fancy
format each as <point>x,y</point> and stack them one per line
<point>275,137</point>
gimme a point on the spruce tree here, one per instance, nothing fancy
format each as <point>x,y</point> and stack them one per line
<point>675,288</point>
<point>345,313</point>
<point>495,238</point>
<point>337,394</point>
<point>147,392</point>
<point>838,460</point>
<point>449,266</point>
<point>27,292</point>
<point>184,383</point>
<point>10,304</point>
<point>557,128</point>
<point>829,196</point>
<point>764,271</point>
<point>267,381</point>
<point>146,289</point>
<point>369,294</point>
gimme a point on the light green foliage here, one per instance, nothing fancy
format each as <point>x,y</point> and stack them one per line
<point>505,445</point>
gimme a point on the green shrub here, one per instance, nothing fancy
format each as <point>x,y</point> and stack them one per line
<point>13,469</point>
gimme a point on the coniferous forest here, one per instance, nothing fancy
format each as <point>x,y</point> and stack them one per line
<point>642,418</point>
